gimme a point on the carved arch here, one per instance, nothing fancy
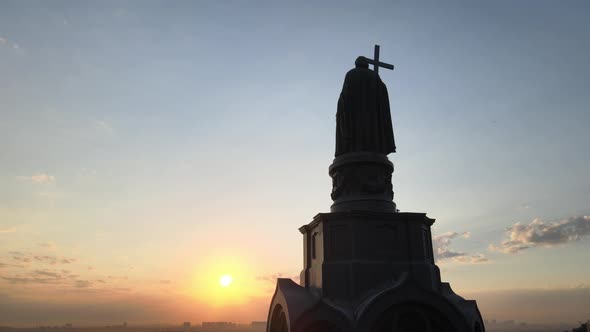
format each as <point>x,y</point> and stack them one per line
<point>278,320</point>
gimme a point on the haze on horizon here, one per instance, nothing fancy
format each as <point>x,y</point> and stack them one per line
<point>150,149</point>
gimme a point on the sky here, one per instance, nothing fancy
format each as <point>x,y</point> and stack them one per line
<point>149,148</point>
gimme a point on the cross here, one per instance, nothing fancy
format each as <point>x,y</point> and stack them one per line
<point>376,64</point>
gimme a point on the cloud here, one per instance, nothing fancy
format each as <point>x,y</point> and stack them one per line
<point>103,127</point>
<point>48,245</point>
<point>476,258</point>
<point>43,277</point>
<point>543,234</point>
<point>6,42</point>
<point>64,260</point>
<point>3,265</point>
<point>5,230</point>
<point>54,260</point>
<point>20,256</point>
<point>82,284</point>
<point>60,278</point>
<point>29,280</point>
<point>117,278</point>
<point>44,259</point>
<point>442,249</point>
<point>46,273</point>
<point>272,278</point>
<point>269,281</point>
<point>39,178</point>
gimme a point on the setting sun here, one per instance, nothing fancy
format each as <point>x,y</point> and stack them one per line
<point>225,280</point>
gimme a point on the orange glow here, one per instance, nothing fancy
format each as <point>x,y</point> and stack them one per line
<point>225,281</point>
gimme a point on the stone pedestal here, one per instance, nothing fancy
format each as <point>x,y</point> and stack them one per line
<point>368,267</point>
<point>362,181</point>
<point>350,254</point>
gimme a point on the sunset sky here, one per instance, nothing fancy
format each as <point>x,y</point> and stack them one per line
<point>149,148</point>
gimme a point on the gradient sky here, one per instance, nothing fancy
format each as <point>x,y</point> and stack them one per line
<point>147,148</point>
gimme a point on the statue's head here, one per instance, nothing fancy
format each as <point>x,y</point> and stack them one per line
<point>361,62</point>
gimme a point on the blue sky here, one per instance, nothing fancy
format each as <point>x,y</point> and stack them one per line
<point>143,138</point>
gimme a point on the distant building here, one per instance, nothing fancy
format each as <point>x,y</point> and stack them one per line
<point>186,325</point>
<point>218,325</point>
<point>257,325</point>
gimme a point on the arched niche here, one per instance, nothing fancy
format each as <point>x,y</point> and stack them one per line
<point>278,320</point>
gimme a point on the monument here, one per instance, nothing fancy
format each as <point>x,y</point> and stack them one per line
<point>367,266</point>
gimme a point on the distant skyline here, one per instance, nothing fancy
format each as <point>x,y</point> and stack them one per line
<point>144,158</point>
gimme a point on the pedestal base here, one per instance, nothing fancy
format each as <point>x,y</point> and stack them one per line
<point>370,271</point>
<point>399,307</point>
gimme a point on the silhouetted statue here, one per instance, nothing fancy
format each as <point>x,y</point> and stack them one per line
<point>363,120</point>
<point>368,267</point>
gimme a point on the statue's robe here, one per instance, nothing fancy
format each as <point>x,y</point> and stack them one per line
<point>363,119</point>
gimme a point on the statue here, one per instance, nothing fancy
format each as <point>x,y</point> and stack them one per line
<point>363,119</point>
<point>367,266</point>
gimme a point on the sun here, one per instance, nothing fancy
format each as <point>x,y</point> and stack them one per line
<point>225,280</point>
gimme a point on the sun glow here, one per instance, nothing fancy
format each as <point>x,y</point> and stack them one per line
<point>225,280</point>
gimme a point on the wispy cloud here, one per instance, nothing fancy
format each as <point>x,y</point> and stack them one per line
<point>48,245</point>
<point>48,277</point>
<point>4,230</point>
<point>117,277</point>
<point>443,251</point>
<point>30,280</point>
<point>39,178</point>
<point>272,278</point>
<point>103,127</point>
<point>38,277</point>
<point>543,234</point>
<point>82,284</point>
<point>20,256</point>
<point>4,265</point>
<point>24,257</point>
<point>12,44</point>
<point>54,260</point>
<point>475,258</point>
<point>47,273</point>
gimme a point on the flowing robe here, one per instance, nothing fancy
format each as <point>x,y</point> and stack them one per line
<point>363,119</point>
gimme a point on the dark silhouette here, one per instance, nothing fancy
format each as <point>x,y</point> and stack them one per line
<point>367,266</point>
<point>363,119</point>
<point>584,327</point>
